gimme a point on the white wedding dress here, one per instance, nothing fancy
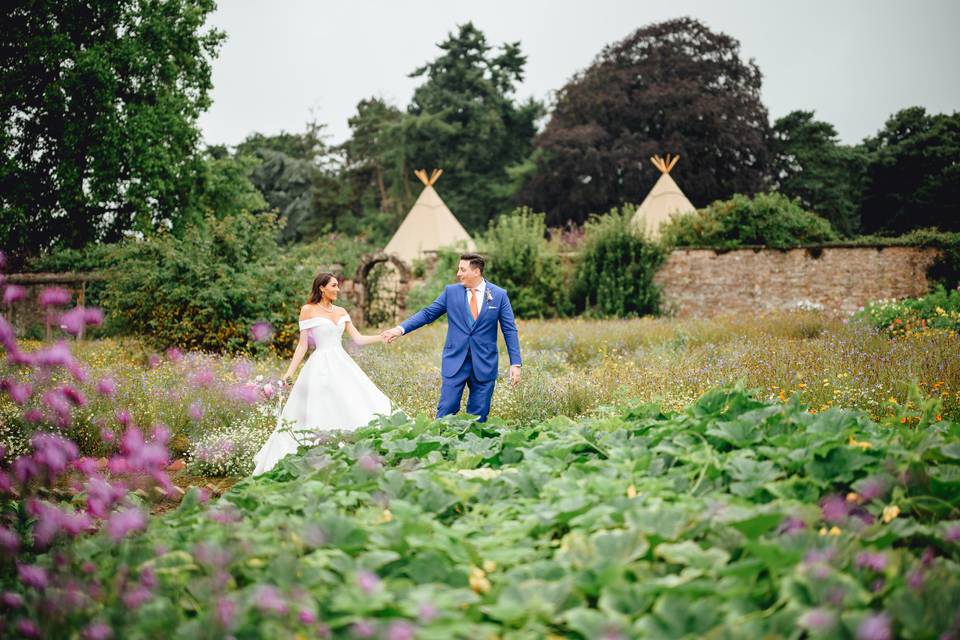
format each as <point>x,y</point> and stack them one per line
<point>332,393</point>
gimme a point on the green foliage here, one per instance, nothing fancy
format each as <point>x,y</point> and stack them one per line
<point>939,309</point>
<point>913,179</point>
<point>227,189</point>
<point>668,87</point>
<point>702,523</point>
<point>614,273</point>
<point>99,103</point>
<point>520,260</point>
<point>811,165</point>
<point>206,290</point>
<point>439,275</point>
<point>464,119</point>
<point>768,219</point>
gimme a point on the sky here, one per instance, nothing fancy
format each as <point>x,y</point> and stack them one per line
<point>853,62</point>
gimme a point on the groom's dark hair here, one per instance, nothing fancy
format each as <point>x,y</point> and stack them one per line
<point>475,259</point>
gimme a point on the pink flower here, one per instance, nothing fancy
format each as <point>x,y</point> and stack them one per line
<point>107,387</point>
<point>203,378</point>
<point>33,576</point>
<point>174,354</point>
<point>123,523</point>
<point>7,336</point>
<point>875,627</point>
<point>427,612</point>
<point>73,395</point>
<point>226,612</point>
<point>57,355</point>
<point>73,321</point>
<point>24,468</point>
<point>13,293</point>
<point>195,411</point>
<point>93,316</point>
<point>153,361</point>
<point>873,561</point>
<point>246,393</point>
<point>367,581</point>
<point>834,509</point>
<point>307,617</point>
<point>261,331</point>
<point>54,452</point>
<point>9,542</point>
<point>953,533</point>
<point>363,629</point>
<point>11,600</point>
<point>123,417</point>
<point>28,628</point>
<point>137,597</point>
<point>400,630</point>
<point>242,370</point>
<point>33,415</point>
<point>268,390</point>
<point>97,631</point>
<point>268,600</point>
<point>211,555</point>
<point>53,297</point>
<point>19,392</point>
<point>369,463</point>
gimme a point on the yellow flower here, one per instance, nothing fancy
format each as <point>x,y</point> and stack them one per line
<point>834,531</point>
<point>385,517</point>
<point>856,443</point>
<point>890,512</point>
<point>854,497</point>
<point>489,566</point>
<point>631,491</point>
<point>478,580</point>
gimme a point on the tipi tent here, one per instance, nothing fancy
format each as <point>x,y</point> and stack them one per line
<point>664,200</point>
<point>429,225</point>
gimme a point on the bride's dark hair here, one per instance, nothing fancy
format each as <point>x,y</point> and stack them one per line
<point>316,293</point>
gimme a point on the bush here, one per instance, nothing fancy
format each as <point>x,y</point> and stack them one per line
<point>937,310</point>
<point>615,271</point>
<point>520,260</point>
<point>207,289</point>
<point>768,219</point>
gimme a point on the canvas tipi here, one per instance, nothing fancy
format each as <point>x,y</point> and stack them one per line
<point>664,200</point>
<point>429,226</point>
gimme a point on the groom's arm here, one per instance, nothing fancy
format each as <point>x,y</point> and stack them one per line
<point>509,329</point>
<point>426,315</point>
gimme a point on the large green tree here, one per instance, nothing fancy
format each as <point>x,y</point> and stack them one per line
<point>99,101</point>
<point>913,179</point>
<point>670,87</point>
<point>810,164</point>
<point>465,119</point>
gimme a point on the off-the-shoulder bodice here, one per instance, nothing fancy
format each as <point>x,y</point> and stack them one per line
<point>324,331</point>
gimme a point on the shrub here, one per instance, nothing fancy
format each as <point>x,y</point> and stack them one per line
<point>769,219</point>
<point>440,275</point>
<point>939,309</point>
<point>614,275</point>
<point>521,261</point>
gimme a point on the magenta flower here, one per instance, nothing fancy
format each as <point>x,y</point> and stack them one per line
<point>153,361</point>
<point>123,523</point>
<point>102,496</point>
<point>834,509</point>
<point>242,370</point>
<point>268,390</point>
<point>875,627</point>
<point>137,597</point>
<point>25,468</point>
<point>123,417</point>
<point>54,452</point>
<point>246,393</point>
<point>226,612</point>
<point>369,463</point>
<point>268,600</point>
<point>98,631</point>
<point>53,297</point>
<point>33,415</point>
<point>57,355</point>
<point>195,411</point>
<point>367,581</point>
<point>873,561</point>
<point>9,542</point>
<point>19,392</point>
<point>74,321</point>
<point>33,576</point>
<point>7,337</point>
<point>400,630</point>
<point>953,533</point>
<point>174,354</point>
<point>203,378</point>
<point>75,396</point>
<point>28,628</point>
<point>307,617</point>
<point>261,331</point>
<point>13,293</point>
<point>107,387</point>
<point>11,600</point>
<point>363,629</point>
<point>93,316</point>
<point>791,524</point>
<point>872,488</point>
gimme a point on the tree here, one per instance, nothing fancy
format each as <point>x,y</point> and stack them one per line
<point>464,119</point>
<point>675,87</point>
<point>99,101</point>
<point>810,164</point>
<point>913,178</point>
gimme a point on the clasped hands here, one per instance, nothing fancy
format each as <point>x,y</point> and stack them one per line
<point>390,335</point>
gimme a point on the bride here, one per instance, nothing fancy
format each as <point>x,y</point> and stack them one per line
<point>332,392</point>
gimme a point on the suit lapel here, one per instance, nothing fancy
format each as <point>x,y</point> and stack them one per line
<point>483,312</point>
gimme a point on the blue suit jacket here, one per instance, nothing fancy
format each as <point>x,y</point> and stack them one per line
<point>479,338</point>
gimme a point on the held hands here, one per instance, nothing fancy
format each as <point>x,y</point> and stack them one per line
<point>390,335</point>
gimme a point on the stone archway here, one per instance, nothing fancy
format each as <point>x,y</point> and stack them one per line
<point>374,295</point>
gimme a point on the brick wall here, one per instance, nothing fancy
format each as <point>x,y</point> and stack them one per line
<point>704,282</point>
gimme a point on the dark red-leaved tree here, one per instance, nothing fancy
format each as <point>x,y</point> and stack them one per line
<point>671,87</point>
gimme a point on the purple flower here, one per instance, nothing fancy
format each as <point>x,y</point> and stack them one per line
<point>54,452</point>
<point>227,514</point>
<point>174,354</point>
<point>53,297</point>
<point>246,393</point>
<point>195,411</point>
<point>123,523</point>
<point>268,600</point>
<point>307,617</point>
<point>75,396</point>
<point>19,392</point>
<point>226,612</point>
<point>28,628</point>
<point>915,579</point>
<point>242,370</point>
<point>106,387</point>
<point>33,576</point>
<point>872,488</point>
<point>153,361</point>
<point>363,629</point>
<point>261,331</point>
<point>400,630</point>
<point>203,378</point>
<point>93,316</point>
<point>873,561</point>
<point>57,355</point>
<point>9,542</point>
<point>369,463</point>
<point>367,581</point>
<point>13,293</point>
<point>427,612</point>
<point>953,533</point>
<point>11,600</point>
<point>791,524</point>
<point>875,627</point>
<point>211,555</point>
<point>834,509</point>
<point>33,415</point>
<point>97,631</point>
<point>7,336</point>
<point>73,321</point>
<point>134,599</point>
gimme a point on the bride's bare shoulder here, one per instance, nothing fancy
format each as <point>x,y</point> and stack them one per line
<point>305,312</point>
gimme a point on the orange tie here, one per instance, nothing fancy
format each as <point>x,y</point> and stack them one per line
<point>473,304</point>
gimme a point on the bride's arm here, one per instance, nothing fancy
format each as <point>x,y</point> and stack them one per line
<point>359,339</point>
<point>301,350</point>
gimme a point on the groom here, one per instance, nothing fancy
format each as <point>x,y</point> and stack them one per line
<point>474,308</point>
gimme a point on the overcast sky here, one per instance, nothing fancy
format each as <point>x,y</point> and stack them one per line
<point>853,62</point>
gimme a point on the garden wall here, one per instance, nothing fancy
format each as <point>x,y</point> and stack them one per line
<point>708,282</point>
